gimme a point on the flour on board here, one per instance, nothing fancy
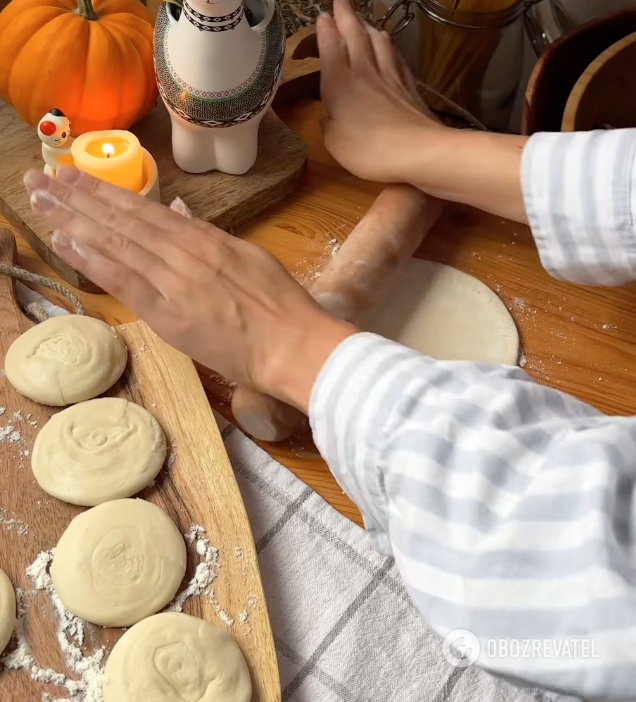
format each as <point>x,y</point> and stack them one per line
<point>70,635</point>
<point>10,521</point>
<point>205,572</point>
<point>87,670</point>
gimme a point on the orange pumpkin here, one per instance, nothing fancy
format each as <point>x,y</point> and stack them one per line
<point>92,60</point>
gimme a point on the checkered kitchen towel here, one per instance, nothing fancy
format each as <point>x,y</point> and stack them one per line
<point>344,628</point>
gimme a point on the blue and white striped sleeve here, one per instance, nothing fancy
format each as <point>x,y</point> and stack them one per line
<point>580,196</point>
<point>510,508</point>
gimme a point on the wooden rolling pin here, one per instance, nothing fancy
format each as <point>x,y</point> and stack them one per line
<point>355,279</point>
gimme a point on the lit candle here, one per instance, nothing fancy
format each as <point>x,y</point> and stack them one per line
<point>114,156</point>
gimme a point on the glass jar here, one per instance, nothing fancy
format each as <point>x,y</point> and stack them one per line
<point>473,58</point>
<point>544,24</point>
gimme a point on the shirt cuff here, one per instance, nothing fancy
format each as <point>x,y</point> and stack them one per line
<point>579,191</point>
<point>350,407</point>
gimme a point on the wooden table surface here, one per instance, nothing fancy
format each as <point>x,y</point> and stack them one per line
<point>580,340</point>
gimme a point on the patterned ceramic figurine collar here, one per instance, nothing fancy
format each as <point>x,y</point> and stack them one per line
<point>54,130</point>
<point>218,65</point>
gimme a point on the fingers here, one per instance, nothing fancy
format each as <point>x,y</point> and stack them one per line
<point>353,33</point>
<point>121,220</point>
<point>125,284</point>
<point>333,58</point>
<point>385,55</point>
<point>106,215</point>
<point>124,201</point>
<point>87,232</point>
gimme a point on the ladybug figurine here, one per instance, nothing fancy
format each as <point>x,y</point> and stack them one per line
<point>54,130</point>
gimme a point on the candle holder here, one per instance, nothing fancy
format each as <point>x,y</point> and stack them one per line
<point>151,188</point>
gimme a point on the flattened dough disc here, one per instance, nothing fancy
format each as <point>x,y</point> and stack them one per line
<point>119,562</point>
<point>97,451</point>
<point>446,314</point>
<point>7,610</point>
<point>174,657</point>
<point>66,360</point>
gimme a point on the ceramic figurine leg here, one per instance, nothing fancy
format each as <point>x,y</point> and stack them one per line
<point>199,149</point>
<point>236,148</point>
<point>192,146</point>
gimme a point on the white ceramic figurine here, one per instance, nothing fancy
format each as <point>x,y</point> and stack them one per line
<point>218,64</point>
<point>54,130</point>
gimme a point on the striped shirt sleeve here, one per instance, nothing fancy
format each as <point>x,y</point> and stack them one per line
<point>580,196</point>
<point>509,507</point>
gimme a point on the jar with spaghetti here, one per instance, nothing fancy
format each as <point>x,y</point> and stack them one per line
<point>469,51</point>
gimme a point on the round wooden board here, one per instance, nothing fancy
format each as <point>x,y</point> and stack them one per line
<point>605,94</point>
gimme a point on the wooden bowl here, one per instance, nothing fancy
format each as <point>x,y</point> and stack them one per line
<point>562,64</point>
<point>605,94</point>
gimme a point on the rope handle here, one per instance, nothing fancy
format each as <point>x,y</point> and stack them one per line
<point>28,277</point>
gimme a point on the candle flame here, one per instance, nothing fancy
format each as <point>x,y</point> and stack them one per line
<point>108,150</point>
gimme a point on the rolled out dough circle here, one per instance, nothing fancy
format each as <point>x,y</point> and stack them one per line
<point>98,451</point>
<point>7,610</point>
<point>66,360</point>
<point>446,314</point>
<point>119,562</point>
<point>173,657</point>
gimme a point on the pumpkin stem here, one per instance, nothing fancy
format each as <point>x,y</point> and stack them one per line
<point>85,9</point>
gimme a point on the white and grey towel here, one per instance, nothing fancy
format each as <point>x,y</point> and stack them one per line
<point>344,627</point>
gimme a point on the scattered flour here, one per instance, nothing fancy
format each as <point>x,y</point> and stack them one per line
<point>5,432</point>
<point>89,669</point>
<point>70,636</point>
<point>522,360</point>
<point>223,615</point>
<point>244,616</point>
<point>2,411</point>
<point>11,521</point>
<point>205,572</point>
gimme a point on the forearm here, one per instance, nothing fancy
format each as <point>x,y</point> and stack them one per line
<point>575,190</point>
<point>473,168</point>
<point>506,504</point>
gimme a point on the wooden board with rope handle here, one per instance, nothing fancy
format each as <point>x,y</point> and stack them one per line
<point>228,201</point>
<point>197,486</point>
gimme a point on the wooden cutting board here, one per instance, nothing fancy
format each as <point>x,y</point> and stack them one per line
<point>197,488</point>
<point>226,200</point>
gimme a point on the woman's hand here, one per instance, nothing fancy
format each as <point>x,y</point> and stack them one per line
<point>224,302</point>
<point>375,114</point>
<point>379,129</point>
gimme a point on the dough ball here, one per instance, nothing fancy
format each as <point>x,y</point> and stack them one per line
<point>446,314</point>
<point>66,360</point>
<point>119,562</point>
<point>174,657</point>
<point>98,451</point>
<point>7,610</point>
